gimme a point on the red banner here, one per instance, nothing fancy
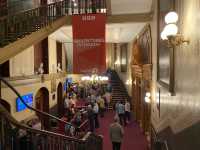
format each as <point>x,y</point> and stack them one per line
<point>89,43</point>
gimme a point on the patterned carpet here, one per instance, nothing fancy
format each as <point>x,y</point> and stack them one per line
<point>133,138</point>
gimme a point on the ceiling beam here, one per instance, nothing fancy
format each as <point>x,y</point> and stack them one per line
<point>123,18</point>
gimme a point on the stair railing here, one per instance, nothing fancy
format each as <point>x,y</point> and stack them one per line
<point>17,25</point>
<point>16,136</point>
<point>156,142</point>
<point>41,113</point>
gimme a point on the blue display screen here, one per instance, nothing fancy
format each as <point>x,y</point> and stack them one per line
<point>67,82</point>
<point>28,99</point>
<point>65,86</point>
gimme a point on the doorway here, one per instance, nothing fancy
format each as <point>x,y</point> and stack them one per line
<point>42,104</point>
<point>60,101</point>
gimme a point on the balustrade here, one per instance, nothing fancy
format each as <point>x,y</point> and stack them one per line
<point>14,26</point>
<point>18,136</point>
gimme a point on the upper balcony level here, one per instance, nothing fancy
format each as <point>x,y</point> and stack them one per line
<point>16,25</point>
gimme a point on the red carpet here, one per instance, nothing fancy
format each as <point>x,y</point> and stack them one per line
<point>133,138</point>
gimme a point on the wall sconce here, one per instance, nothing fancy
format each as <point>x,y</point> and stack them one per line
<point>128,82</point>
<point>170,31</point>
<point>117,62</point>
<point>135,82</point>
<point>147,97</point>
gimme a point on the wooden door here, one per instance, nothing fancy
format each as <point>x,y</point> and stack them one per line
<point>42,104</point>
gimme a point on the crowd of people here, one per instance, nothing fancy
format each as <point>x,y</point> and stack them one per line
<point>95,99</point>
<point>123,112</point>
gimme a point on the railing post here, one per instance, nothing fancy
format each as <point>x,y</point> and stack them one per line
<point>0,89</point>
<point>86,6</point>
<point>79,6</point>
<point>67,7</point>
<point>93,6</point>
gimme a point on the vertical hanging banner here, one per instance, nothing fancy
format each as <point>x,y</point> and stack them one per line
<point>89,43</point>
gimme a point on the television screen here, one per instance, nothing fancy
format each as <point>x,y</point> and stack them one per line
<point>28,99</point>
<point>67,83</point>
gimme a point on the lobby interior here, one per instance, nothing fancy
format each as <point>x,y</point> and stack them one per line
<point>152,50</point>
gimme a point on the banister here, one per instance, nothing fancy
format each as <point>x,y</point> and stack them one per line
<point>94,4</point>
<point>83,123</point>
<point>14,26</point>
<point>12,134</point>
<point>156,142</point>
<point>12,120</point>
<point>29,107</point>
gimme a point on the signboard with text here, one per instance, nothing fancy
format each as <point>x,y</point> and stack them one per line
<point>89,43</point>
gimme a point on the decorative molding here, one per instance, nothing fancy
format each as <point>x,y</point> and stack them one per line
<point>142,71</point>
<point>123,18</point>
<point>26,80</point>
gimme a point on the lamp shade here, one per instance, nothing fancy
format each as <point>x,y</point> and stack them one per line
<point>148,94</point>
<point>147,99</point>
<point>171,17</point>
<point>163,35</point>
<point>170,30</point>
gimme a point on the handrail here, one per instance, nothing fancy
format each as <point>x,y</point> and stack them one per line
<point>155,140</point>
<point>83,123</point>
<point>80,3</point>
<point>13,121</point>
<point>14,26</point>
<point>29,107</point>
<point>14,135</point>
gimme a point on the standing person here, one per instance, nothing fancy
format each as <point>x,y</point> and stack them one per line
<point>96,112</point>
<point>101,106</point>
<point>127,111</point>
<point>121,111</point>
<point>117,108</point>
<point>91,118</point>
<point>66,104</point>
<point>107,96</point>
<point>116,134</point>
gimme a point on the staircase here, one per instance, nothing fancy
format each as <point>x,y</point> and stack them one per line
<point>119,92</point>
<point>17,136</point>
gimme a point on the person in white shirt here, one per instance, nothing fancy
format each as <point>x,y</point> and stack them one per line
<point>127,110</point>
<point>96,113</point>
<point>66,103</point>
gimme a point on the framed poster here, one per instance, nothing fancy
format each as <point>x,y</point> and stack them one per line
<point>165,55</point>
<point>123,57</point>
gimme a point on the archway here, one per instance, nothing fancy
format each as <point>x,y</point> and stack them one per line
<point>60,101</point>
<point>42,103</point>
<point>6,105</point>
